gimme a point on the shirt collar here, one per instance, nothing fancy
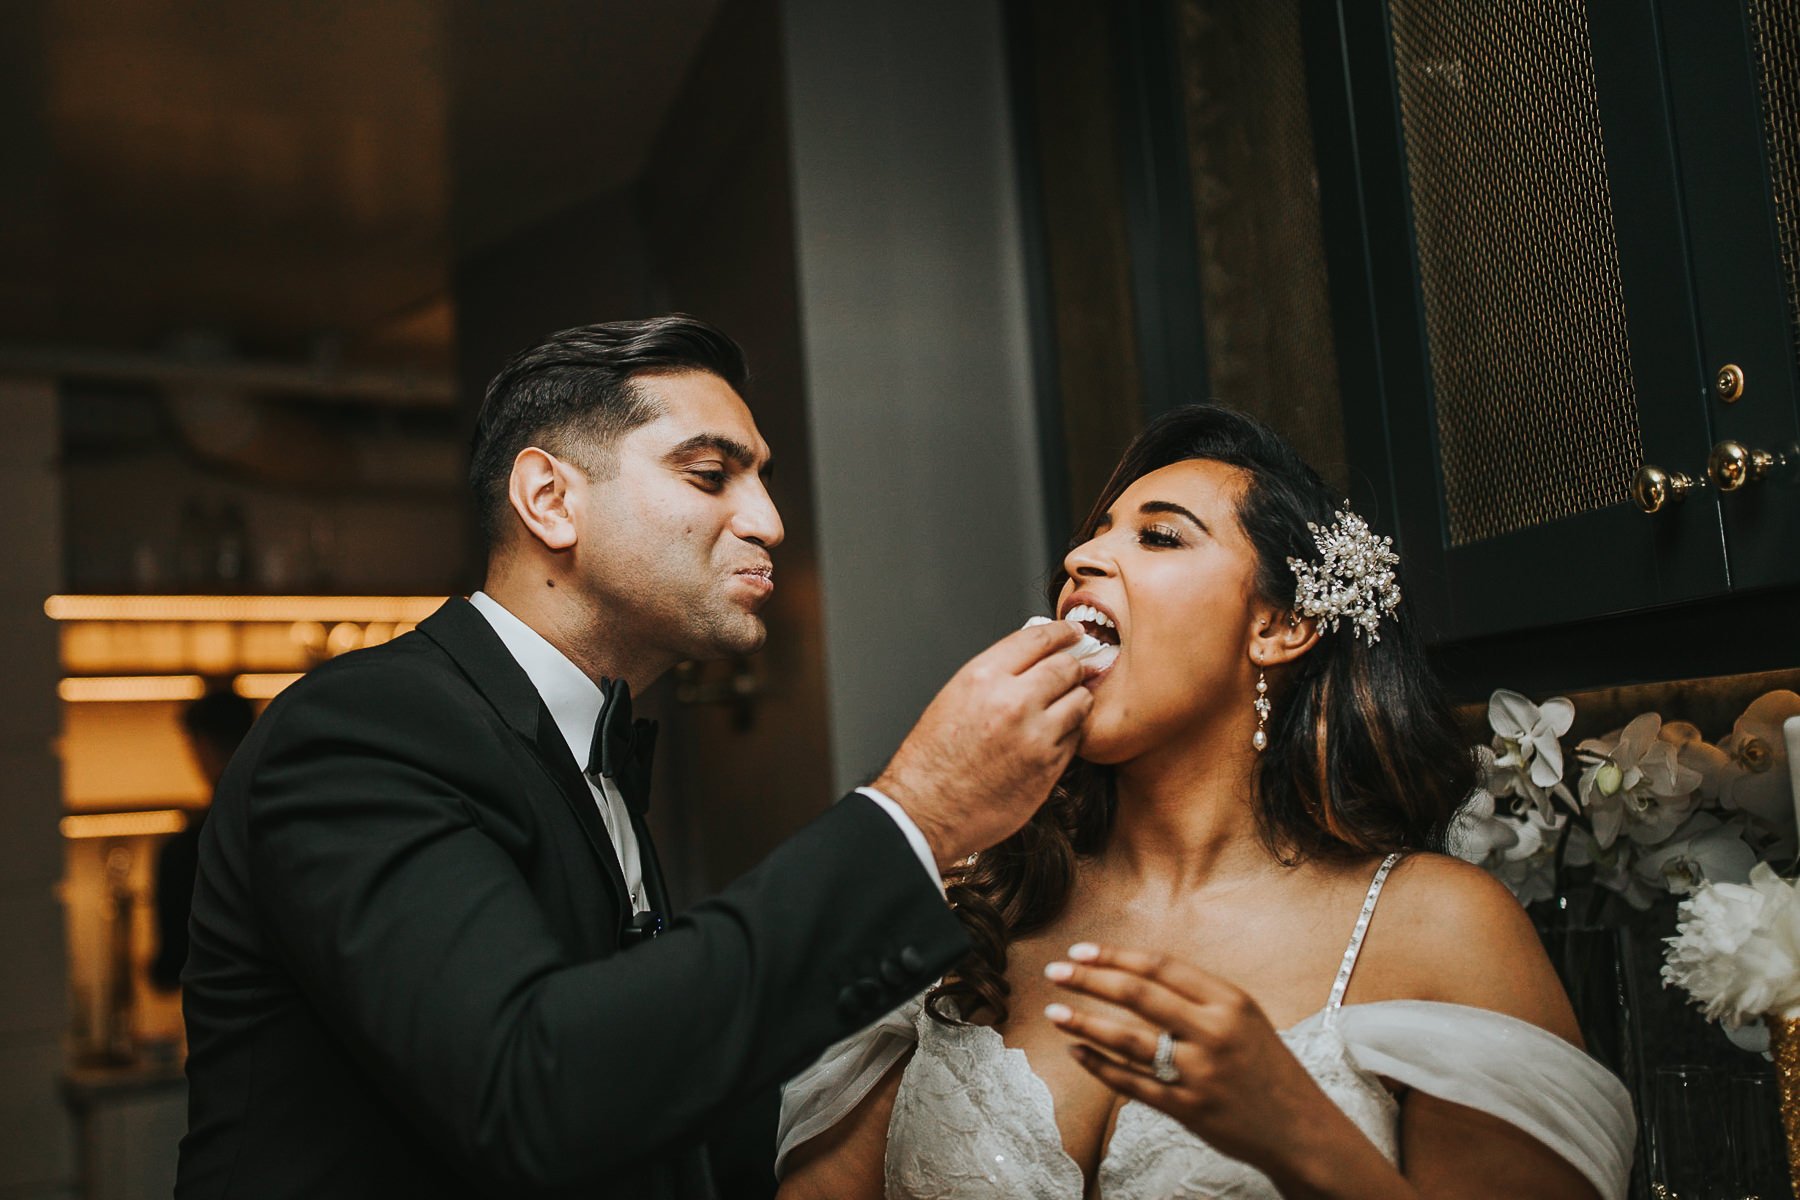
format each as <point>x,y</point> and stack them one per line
<point>573,699</point>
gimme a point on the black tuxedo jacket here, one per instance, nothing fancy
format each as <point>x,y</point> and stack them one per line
<point>406,976</point>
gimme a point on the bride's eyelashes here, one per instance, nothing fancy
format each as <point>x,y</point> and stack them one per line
<point>1159,537</point>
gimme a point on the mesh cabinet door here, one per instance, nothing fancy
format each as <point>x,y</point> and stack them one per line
<point>1555,311</point>
<point>1734,78</point>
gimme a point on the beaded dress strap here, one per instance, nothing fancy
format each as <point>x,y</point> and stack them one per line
<point>1342,982</point>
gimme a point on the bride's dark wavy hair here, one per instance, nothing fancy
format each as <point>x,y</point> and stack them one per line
<point>1364,755</point>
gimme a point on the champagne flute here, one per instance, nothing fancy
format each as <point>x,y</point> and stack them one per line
<point>1690,1157</point>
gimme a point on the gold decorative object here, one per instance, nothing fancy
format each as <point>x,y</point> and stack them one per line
<point>1655,489</point>
<point>1733,464</point>
<point>1784,1045</point>
<point>1729,384</point>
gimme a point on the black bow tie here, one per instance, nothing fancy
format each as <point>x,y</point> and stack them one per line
<point>623,747</point>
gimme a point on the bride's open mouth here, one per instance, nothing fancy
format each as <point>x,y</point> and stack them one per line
<point>1099,650</point>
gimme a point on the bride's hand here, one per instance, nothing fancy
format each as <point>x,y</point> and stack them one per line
<point>1236,1084</point>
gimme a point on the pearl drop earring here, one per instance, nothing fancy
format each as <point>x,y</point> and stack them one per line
<point>1260,739</point>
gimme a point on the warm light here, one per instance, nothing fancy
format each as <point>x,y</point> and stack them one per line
<point>123,824</point>
<point>261,687</point>
<point>395,609</point>
<point>343,638</point>
<point>132,687</point>
<point>140,688</point>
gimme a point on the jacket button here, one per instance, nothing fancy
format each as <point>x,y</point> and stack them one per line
<point>911,961</point>
<point>849,1004</point>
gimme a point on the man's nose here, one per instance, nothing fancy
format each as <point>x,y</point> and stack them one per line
<point>757,520</point>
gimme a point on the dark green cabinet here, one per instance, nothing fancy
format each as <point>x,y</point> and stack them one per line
<point>1550,227</point>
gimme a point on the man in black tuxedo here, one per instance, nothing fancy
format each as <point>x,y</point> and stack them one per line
<point>426,947</point>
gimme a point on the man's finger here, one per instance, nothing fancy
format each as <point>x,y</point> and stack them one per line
<point>1070,713</point>
<point>1052,677</point>
<point>1019,651</point>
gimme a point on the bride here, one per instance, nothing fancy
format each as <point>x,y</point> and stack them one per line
<point>1226,959</point>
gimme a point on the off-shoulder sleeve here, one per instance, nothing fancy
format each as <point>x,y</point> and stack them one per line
<point>1509,1068</point>
<point>826,1092</point>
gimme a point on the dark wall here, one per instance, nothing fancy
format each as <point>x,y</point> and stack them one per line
<point>716,206</point>
<point>586,264</point>
<point>707,230</point>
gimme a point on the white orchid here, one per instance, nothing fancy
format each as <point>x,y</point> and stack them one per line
<point>1527,759</point>
<point>1613,867</point>
<point>1646,821</point>
<point>1633,782</point>
<point>1529,867</point>
<point>1519,849</point>
<point>1476,832</point>
<point>1694,752</point>
<point>1704,850</point>
<point>1753,777</point>
<point>1737,948</point>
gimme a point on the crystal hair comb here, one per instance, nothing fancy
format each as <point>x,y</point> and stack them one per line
<point>1353,580</point>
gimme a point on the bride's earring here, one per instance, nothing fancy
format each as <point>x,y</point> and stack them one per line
<point>1260,739</point>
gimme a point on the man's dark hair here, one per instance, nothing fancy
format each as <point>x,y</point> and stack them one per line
<point>573,394</point>
<point>220,718</point>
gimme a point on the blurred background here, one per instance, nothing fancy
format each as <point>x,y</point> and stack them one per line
<point>1518,277</point>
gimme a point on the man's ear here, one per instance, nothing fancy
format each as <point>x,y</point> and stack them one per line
<point>539,491</point>
<point>1278,637</point>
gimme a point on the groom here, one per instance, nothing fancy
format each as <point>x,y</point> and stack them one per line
<point>431,952</point>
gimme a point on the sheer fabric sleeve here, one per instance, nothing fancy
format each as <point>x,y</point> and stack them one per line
<point>826,1092</point>
<point>1508,1068</point>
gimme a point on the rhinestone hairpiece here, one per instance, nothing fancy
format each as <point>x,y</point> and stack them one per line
<point>1353,579</point>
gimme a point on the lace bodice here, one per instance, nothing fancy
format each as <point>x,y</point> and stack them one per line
<point>972,1121</point>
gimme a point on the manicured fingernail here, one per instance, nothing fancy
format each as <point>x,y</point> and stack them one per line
<point>1058,1012</point>
<point>1084,952</point>
<point>1059,970</point>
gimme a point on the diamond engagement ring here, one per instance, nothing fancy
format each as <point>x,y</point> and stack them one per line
<point>1163,1065</point>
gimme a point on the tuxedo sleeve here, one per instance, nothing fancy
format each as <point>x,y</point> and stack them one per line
<point>410,929</point>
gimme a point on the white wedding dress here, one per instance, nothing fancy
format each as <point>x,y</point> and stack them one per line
<point>972,1121</point>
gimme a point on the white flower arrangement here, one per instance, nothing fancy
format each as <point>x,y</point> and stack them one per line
<point>1736,951</point>
<point>1654,810</point>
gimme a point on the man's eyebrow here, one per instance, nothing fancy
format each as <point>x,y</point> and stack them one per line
<point>731,448</point>
<point>1169,506</point>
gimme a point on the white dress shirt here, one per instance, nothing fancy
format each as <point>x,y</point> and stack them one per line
<point>574,701</point>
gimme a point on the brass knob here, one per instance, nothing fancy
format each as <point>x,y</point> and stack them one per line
<point>1733,464</point>
<point>1655,489</point>
<point>1729,384</point>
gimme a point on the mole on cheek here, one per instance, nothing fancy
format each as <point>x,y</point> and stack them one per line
<point>549,583</point>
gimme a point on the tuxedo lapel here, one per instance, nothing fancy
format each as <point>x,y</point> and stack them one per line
<point>472,643</point>
<point>554,753</point>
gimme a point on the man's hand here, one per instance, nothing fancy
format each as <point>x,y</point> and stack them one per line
<point>993,742</point>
